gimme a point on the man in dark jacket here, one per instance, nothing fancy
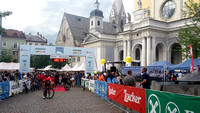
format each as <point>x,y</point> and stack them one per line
<point>145,79</point>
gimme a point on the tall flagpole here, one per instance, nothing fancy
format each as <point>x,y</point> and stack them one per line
<point>192,65</point>
<point>0,35</point>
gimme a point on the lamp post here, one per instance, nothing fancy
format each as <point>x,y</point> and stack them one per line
<point>0,34</point>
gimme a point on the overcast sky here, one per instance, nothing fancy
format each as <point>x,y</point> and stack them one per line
<point>44,16</point>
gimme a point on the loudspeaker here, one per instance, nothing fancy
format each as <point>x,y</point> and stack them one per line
<point>113,69</point>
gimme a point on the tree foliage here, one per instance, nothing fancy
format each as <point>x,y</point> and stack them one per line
<point>190,34</point>
<point>6,56</point>
<point>4,14</point>
<point>40,61</point>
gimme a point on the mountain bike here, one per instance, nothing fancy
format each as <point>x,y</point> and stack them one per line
<point>49,92</point>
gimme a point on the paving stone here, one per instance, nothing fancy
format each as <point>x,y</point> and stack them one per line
<point>74,101</point>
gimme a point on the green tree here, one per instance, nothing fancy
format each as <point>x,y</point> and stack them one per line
<point>6,56</point>
<point>4,14</point>
<point>39,61</point>
<point>58,65</point>
<point>190,34</point>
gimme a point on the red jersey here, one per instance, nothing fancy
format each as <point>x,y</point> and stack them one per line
<point>43,77</point>
<point>39,77</point>
<point>48,79</point>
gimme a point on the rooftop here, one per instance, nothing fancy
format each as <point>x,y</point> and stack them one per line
<point>36,38</point>
<point>13,33</point>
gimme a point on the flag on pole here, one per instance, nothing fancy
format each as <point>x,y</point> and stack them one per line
<point>192,65</point>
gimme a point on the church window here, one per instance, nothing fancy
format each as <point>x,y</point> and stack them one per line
<point>91,23</point>
<point>98,23</point>
<point>168,9</point>
<point>64,38</point>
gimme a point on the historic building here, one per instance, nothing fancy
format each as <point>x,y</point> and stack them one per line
<point>150,37</point>
<point>11,41</point>
<point>36,39</point>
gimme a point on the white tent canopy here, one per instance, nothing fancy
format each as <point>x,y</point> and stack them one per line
<point>75,67</point>
<point>66,68</point>
<point>47,68</point>
<point>81,68</point>
<point>9,66</point>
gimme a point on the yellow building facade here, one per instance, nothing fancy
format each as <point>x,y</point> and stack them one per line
<point>157,6</point>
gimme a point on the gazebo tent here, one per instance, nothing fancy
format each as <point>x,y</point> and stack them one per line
<point>185,65</point>
<point>66,68</point>
<point>81,68</point>
<point>9,66</point>
<point>75,67</point>
<point>162,63</point>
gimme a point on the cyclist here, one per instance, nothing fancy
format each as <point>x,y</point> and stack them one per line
<point>47,82</point>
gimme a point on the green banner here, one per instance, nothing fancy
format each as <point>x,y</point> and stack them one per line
<point>163,102</point>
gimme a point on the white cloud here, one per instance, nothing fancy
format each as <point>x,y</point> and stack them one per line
<point>45,16</point>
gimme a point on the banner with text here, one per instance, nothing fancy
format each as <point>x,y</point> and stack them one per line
<point>163,102</point>
<point>4,90</point>
<point>101,89</point>
<point>91,87</point>
<point>14,87</point>
<point>134,98</point>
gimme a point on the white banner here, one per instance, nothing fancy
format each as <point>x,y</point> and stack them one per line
<point>28,84</point>
<point>14,88</point>
<point>92,85</point>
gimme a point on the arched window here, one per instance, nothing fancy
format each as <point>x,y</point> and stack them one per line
<point>98,23</point>
<point>64,38</point>
<point>137,54</point>
<point>91,23</point>
<point>176,55</point>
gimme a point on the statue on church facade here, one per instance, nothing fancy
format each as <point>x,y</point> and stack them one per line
<point>148,12</point>
<point>140,4</point>
<point>129,18</point>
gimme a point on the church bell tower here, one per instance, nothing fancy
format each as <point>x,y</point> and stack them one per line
<point>96,19</point>
<point>118,14</point>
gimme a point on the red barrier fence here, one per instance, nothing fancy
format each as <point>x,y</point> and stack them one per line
<point>131,97</point>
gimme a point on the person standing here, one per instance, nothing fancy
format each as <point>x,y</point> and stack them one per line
<point>129,80</point>
<point>165,76</point>
<point>145,79</point>
<point>101,78</point>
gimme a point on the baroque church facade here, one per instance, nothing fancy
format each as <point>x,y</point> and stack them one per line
<point>149,38</point>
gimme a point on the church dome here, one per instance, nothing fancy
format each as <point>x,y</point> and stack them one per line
<point>96,12</point>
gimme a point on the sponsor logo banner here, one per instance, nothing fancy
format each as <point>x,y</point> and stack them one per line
<point>59,51</point>
<point>101,89</point>
<point>91,87</point>
<point>4,90</point>
<point>134,98</point>
<point>14,87</point>
<point>163,102</point>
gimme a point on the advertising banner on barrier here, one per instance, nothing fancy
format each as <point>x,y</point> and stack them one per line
<point>95,87</point>
<point>101,89</point>
<point>14,87</point>
<point>87,84</point>
<point>4,90</point>
<point>91,87</point>
<point>104,89</point>
<point>134,98</point>
<point>21,83</point>
<point>163,102</point>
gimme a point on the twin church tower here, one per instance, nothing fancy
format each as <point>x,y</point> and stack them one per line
<point>117,16</point>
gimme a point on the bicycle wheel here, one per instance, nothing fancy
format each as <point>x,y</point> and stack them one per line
<point>49,93</point>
